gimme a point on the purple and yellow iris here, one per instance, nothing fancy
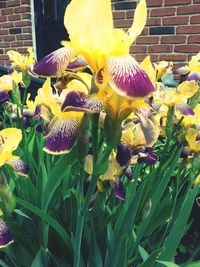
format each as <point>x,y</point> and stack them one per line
<point>5,235</point>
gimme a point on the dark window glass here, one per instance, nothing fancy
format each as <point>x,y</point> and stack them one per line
<point>49,25</point>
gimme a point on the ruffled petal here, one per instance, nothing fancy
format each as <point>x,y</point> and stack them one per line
<point>78,101</point>
<point>181,71</point>
<point>7,142</point>
<point>193,76</point>
<point>184,109</point>
<point>53,64</point>
<point>4,96</point>
<point>78,63</point>
<point>5,235</point>
<point>61,135</point>
<point>124,154</point>
<point>127,78</point>
<point>19,166</point>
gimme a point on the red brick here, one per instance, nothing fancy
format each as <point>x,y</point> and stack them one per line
<point>145,31</point>
<point>13,3</point>
<point>7,11</point>
<point>122,23</point>
<point>3,18</point>
<point>9,38</point>
<point>22,23</point>
<point>25,2</point>
<point>130,14</point>
<point>194,39</point>
<point>3,32</point>
<point>152,3</point>
<point>139,58</point>
<point>24,37</point>
<point>173,57</point>
<point>153,22</point>
<point>163,12</point>
<point>159,48</point>
<point>138,49</point>
<point>27,30</point>
<point>187,48</point>
<point>195,19</point>
<point>5,45</point>
<point>28,43</point>
<point>7,25</point>
<point>4,57</point>
<point>22,50</point>
<point>26,16</point>
<point>188,29</point>
<point>196,1</point>
<point>147,40</point>
<point>14,17</point>
<point>173,39</point>
<point>119,15</point>
<point>192,9</point>
<point>16,44</point>
<point>22,9</point>
<point>176,2</point>
<point>175,20</point>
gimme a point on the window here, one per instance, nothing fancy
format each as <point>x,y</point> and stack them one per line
<point>49,25</point>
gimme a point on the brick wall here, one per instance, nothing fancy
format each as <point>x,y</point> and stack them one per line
<point>15,27</point>
<point>172,30</point>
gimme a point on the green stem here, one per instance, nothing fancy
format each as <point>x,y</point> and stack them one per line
<point>84,209</point>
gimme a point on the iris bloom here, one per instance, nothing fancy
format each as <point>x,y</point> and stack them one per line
<point>7,83</point>
<point>192,69</point>
<point>5,235</point>
<point>66,113</point>
<point>21,61</point>
<point>7,145</point>
<point>193,139</point>
<point>116,73</point>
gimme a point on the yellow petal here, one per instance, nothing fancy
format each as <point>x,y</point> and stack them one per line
<point>140,18</point>
<point>90,26</point>
<point>4,157</point>
<point>10,139</point>
<point>191,139</point>
<point>147,66</point>
<point>188,89</point>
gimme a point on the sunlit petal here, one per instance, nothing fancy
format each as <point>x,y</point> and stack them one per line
<point>188,88</point>
<point>127,78</point>
<point>140,18</point>
<point>7,142</point>
<point>192,139</point>
<point>53,64</point>
<point>61,135</point>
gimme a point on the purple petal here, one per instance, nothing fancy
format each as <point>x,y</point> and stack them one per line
<point>4,96</point>
<point>78,63</point>
<point>61,135</point>
<point>119,190</point>
<point>198,137</point>
<point>150,158</point>
<point>5,235</point>
<point>181,71</point>
<point>124,154</point>
<point>128,173</point>
<point>19,166</point>
<point>53,64</point>
<point>193,76</point>
<point>78,101</point>
<point>184,109</point>
<point>127,78</point>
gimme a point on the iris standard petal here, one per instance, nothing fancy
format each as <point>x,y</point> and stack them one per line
<point>124,154</point>
<point>53,64</point>
<point>127,78</point>
<point>78,101</point>
<point>61,135</point>
<point>89,24</point>
<point>5,235</point>
<point>140,18</point>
